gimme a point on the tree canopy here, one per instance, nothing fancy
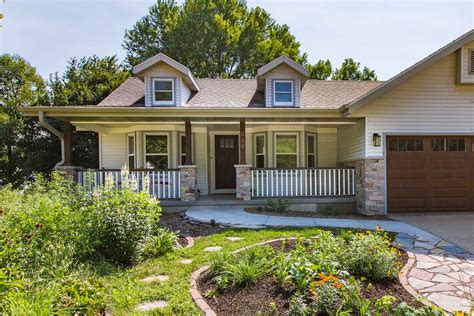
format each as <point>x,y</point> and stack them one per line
<point>349,70</point>
<point>220,38</point>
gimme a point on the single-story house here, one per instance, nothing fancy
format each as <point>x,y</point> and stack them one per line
<point>406,144</point>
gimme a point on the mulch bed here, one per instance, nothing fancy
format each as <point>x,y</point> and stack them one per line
<point>177,222</point>
<point>290,213</point>
<point>265,297</point>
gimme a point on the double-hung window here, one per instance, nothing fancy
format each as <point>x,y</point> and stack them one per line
<point>156,151</point>
<point>286,151</point>
<point>283,93</point>
<point>260,148</point>
<point>163,91</point>
<point>311,150</point>
<point>131,151</point>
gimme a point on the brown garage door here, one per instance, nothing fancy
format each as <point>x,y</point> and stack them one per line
<point>426,174</point>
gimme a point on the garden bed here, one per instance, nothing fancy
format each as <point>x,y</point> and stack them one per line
<point>178,223</point>
<point>265,295</point>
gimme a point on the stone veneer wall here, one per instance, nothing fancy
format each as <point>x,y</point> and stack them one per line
<point>369,186</point>
<point>188,183</point>
<point>242,181</point>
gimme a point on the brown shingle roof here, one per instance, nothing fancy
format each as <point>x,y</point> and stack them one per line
<point>240,93</point>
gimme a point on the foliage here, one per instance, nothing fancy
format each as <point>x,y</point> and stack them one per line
<point>321,70</point>
<point>20,85</point>
<point>277,205</point>
<point>370,255</point>
<point>241,271</point>
<point>160,242</point>
<point>350,70</point>
<point>234,40</point>
<point>329,210</point>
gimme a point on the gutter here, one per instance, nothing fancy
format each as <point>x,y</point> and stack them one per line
<point>49,127</point>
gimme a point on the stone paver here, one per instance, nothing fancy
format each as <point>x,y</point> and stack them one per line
<point>148,306</point>
<point>213,248</point>
<point>186,261</point>
<point>234,238</point>
<point>438,270</point>
<point>155,278</point>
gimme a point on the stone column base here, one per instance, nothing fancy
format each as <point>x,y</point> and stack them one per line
<point>69,172</point>
<point>243,188</point>
<point>188,182</point>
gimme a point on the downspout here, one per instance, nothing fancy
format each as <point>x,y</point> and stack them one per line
<point>49,127</point>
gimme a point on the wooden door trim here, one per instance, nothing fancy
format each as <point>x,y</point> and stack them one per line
<point>211,160</point>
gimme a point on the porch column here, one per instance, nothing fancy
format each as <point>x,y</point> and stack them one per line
<point>243,159</point>
<point>188,143</point>
<point>243,189</point>
<point>188,181</point>
<point>68,130</point>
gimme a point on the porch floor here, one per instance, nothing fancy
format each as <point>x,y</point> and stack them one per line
<point>230,199</point>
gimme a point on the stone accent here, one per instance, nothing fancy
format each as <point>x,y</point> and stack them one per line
<point>148,306</point>
<point>69,172</point>
<point>188,181</point>
<point>369,186</point>
<point>243,185</point>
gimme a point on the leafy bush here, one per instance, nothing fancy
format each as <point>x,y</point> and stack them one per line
<point>277,205</point>
<point>160,242</point>
<point>124,220</point>
<point>370,255</point>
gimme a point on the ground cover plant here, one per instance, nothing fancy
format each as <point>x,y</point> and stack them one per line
<point>57,241</point>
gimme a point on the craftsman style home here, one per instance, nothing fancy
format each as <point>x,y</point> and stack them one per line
<point>406,144</point>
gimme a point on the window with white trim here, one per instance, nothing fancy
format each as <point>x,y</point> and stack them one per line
<point>156,151</point>
<point>182,148</point>
<point>131,151</point>
<point>283,93</point>
<point>259,149</point>
<point>163,91</point>
<point>311,150</point>
<point>286,151</point>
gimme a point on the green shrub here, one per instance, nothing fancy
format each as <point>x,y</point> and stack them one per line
<point>124,220</point>
<point>325,299</point>
<point>277,205</point>
<point>160,242</point>
<point>370,255</point>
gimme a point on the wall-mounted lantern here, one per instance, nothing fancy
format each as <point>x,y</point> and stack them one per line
<point>376,139</point>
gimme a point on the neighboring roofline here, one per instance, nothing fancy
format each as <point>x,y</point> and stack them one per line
<point>170,62</point>
<point>174,112</point>
<point>282,60</point>
<point>408,73</point>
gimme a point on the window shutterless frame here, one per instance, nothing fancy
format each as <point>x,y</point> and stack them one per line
<point>154,91</point>
<point>162,154</point>
<point>283,88</point>
<point>277,154</point>
<point>259,157</point>
<point>131,151</point>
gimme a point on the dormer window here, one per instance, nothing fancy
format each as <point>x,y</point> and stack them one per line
<point>283,93</point>
<point>163,91</point>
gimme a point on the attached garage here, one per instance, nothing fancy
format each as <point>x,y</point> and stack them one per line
<point>430,173</point>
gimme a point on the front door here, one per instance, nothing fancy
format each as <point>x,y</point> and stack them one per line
<point>227,155</point>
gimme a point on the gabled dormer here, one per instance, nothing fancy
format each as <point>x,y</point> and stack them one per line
<point>167,82</point>
<point>281,80</point>
<point>465,64</point>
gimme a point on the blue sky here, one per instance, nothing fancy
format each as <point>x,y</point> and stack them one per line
<point>387,36</point>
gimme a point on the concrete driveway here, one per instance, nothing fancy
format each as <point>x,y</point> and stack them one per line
<point>456,228</point>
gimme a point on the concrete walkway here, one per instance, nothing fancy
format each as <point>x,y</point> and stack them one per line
<point>440,272</point>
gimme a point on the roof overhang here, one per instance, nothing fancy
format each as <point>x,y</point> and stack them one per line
<point>283,60</point>
<point>408,73</point>
<point>188,76</point>
<point>153,114</point>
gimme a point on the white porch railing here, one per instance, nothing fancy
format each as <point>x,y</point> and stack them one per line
<point>162,184</point>
<point>271,182</point>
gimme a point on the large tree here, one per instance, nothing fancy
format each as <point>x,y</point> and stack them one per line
<point>86,81</point>
<point>23,146</point>
<point>351,70</point>
<point>215,38</point>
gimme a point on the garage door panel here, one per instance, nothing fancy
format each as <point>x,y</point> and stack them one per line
<point>431,179</point>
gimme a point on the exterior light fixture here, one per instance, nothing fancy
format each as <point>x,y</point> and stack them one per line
<point>376,139</point>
